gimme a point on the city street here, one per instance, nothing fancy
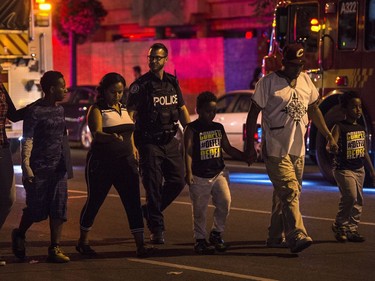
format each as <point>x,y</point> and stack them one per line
<point>246,259</point>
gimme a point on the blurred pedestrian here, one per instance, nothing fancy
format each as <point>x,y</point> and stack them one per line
<point>287,98</point>
<point>349,171</point>
<point>205,173</point>
<point>44,168</point>
<point>112,160</point>
<point>156,104</point>
<point>7,186</point>
<point>137,71</point>
<point>256,76</point>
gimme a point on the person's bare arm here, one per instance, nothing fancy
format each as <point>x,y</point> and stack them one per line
<point>231,150</point>
<point>317,118</point>
<point>251,127</point>
<point>184,116</point>
<point>188,143</point>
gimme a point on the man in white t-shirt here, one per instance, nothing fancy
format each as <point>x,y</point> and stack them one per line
<point>287,99</point>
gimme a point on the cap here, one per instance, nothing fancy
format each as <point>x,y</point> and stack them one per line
<point>294,53</point>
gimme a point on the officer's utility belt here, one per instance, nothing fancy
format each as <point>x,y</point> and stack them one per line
<point>160,137</point>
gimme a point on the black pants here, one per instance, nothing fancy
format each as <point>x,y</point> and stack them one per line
<point>162,171</point>
<point>122,173</point>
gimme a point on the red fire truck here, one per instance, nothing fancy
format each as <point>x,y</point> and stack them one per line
<point>25,52</point>
<point>339,41</point>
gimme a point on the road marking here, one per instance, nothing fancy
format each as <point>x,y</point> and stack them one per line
<point>204,270</point>
<point>268,213</point>
<point>212,206</point>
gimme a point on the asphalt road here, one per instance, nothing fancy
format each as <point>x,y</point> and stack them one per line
<point>246,259</point>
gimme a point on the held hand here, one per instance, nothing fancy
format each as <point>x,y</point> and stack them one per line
<point>332,146</point>
<point>189,179</point>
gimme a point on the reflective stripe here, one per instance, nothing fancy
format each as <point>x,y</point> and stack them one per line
<point>15,44</point>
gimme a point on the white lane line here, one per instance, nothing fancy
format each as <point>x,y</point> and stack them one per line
<point>204,270</point>
<point>232,208</point>
<point>307,217</point>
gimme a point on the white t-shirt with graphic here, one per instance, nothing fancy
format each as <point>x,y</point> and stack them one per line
<point>284,113</point>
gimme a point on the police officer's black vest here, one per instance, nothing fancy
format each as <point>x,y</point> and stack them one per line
<point>161,114</point>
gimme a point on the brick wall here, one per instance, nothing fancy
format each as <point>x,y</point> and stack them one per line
<point>213,64</point>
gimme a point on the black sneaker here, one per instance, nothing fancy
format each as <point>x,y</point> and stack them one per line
<point>157,238</point>
<point>201,247</point>
<point>85,249</point>
<point>340,233</point>
<point>276,243</point>
<point>300,243</point>
<point>216,240</point>
<point>354,236</point>
<point>18,244</point>
<point>144,251</point>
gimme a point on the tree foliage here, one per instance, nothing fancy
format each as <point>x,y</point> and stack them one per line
<point>81,17</point>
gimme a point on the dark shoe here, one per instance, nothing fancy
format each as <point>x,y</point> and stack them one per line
<point>201,247</point>
<point>216,240</point>
<point>300,243</point>
<point>18,244</point>
<point>144,251</point>
<point>157,238</point>
<point>340,233</point>
<point>276,243</point>
<point>85,249</point>
<point>354,236</point>
<point>55,255</point>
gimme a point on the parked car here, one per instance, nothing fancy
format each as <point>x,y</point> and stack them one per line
<point>231,111</point>
<point>76,104</point>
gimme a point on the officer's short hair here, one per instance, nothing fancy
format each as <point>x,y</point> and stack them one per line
<point>346,97</point>
<point>205,98</point>
<point>50,79</point>
<point>158,46</point>
<point>108,80</point>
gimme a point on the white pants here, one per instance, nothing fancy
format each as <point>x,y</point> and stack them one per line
<point>200,192</point>
<point>351,202</point>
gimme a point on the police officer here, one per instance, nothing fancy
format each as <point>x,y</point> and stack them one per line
<point>156,104</point>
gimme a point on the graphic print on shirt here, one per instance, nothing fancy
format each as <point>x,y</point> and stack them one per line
<point>210,143</point>
<point>295,109</point>
<point>355,144</point>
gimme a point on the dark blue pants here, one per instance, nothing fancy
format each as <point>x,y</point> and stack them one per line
<point>162,171</point>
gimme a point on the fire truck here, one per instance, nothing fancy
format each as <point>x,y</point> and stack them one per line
<point>339,41</point>
<point>25,53</point>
